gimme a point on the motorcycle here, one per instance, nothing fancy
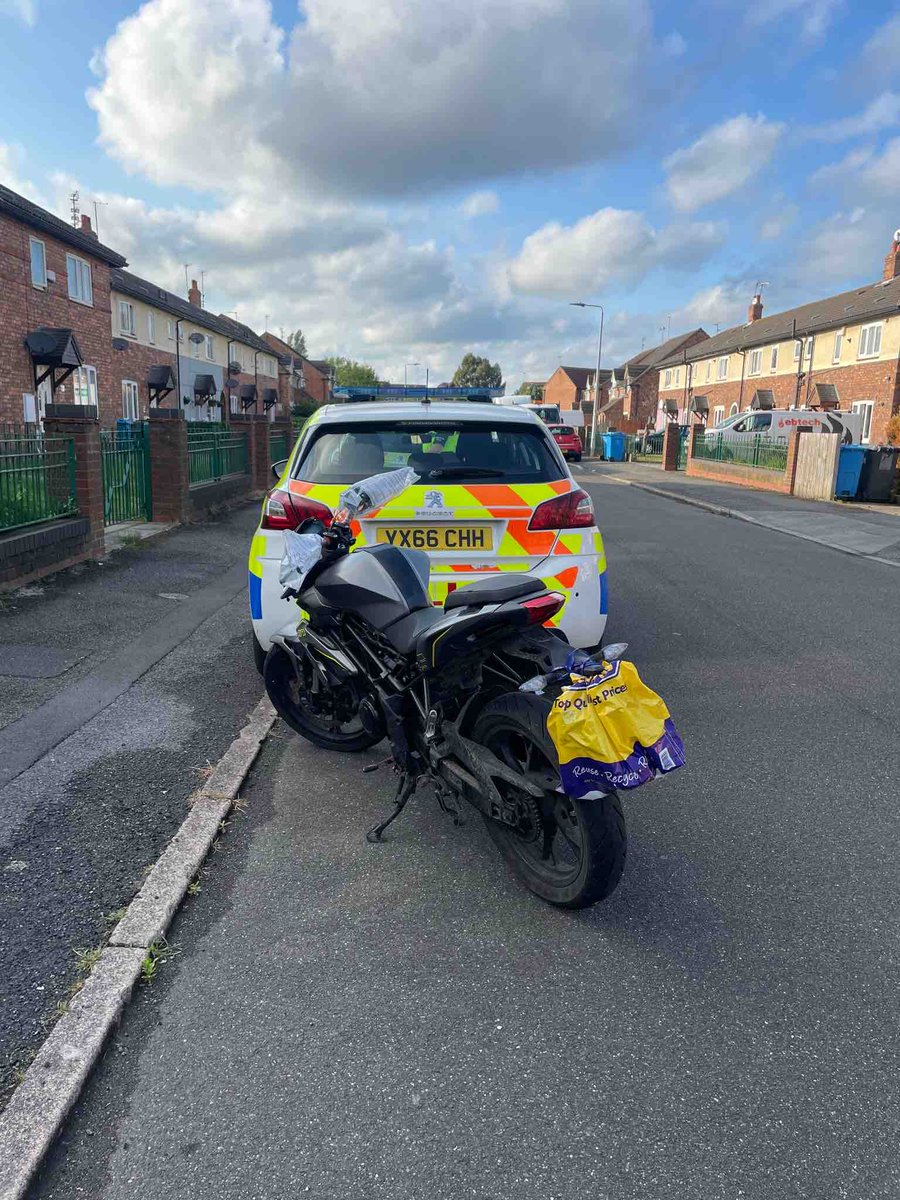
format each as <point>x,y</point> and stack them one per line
<point>372,658</point>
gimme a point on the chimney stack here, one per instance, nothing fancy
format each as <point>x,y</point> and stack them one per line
<point>86,226</point>
<point>194,296</point>
<point>892,260</point>
<point>754,312</point>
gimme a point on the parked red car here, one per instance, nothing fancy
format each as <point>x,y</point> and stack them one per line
<point>568,441</point>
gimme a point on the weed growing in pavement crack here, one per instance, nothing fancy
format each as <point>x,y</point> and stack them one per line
<point>157,952</point>
<point>87,958</point>
<point>114,917</point>
<point>194,888</point>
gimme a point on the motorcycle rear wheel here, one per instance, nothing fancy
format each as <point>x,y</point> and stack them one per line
<point>570,852</point>
<point>337,730</point>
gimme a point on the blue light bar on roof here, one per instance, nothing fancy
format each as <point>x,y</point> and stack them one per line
<point>397,391</point>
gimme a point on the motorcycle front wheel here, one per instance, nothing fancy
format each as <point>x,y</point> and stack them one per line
<point>330,719</point>
<point>570,852</point>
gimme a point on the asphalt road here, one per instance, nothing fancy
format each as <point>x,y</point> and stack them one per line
<point>97,760</point>
<point>404,1021</point>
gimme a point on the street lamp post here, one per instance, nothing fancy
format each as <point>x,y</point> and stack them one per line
<point>583,304</point>
<point>405,365</point>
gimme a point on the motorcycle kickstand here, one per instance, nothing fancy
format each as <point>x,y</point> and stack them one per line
<point>406,788</point>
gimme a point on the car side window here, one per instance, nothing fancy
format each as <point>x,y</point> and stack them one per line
<point>742,426</point>
<point>762,422</point>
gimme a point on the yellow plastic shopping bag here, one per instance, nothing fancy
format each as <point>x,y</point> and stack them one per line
<point>611,732</point>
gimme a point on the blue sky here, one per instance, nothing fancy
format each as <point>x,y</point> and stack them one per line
<point>408,181</point>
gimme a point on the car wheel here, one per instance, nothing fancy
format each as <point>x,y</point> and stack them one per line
<point>576,458</point>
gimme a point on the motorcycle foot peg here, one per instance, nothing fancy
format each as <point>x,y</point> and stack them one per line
<point>382,762</point>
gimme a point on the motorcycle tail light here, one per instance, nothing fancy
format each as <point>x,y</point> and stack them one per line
<point>282,510</point>
<point>541,608</point>
<point>574,510</point>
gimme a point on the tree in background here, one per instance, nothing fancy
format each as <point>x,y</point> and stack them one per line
<point>297,342</point>
<point>348,373</point>
<point>477,372</point>
<point>303,407</point>
<point>536,392</point>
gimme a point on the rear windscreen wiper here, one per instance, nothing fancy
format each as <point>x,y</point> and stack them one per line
<point>450,472</point>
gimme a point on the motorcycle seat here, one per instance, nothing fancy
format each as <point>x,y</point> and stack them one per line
<point>405,634</point>
<point>494,591</point>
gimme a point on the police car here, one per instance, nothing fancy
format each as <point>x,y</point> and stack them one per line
<point>495,496</point>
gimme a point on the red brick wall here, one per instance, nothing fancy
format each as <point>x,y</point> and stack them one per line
<point>134,363</point>
<point>24,308</point>
<point>559,389</point>
<point>316,383</point>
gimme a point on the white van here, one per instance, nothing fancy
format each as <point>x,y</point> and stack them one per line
<point>778,423</point>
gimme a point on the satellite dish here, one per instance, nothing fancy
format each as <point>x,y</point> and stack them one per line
<point>196,338</point>
<point>897,236</point>
<point>234,368</point>
<point>120,344</point>
<point>40,342</point>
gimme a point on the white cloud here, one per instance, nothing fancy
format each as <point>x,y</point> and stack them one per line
<point>720,161</point>
<point>847,246</point>
<point>370,99</point>
<point>22,10</point>
<point>777,223</point>
<point>811,17</point>
<point>864,173</point>
<point>12,163</point>
<point>880,57</point>
<point>882,113</point>
<point>480,204</point>
<point>610,246</point>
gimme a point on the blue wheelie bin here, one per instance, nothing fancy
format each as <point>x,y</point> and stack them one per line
<point>850,465</point>
<point>614,447</point>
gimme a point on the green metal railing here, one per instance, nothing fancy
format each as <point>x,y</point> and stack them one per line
<point>125,456</point>
<point>647,447</point>
<point>757,451</point>
<point>279,447</point>
<point>37,478</point>
<point>215,453</point>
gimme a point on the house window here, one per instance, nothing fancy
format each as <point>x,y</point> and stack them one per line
<point>865,408</point>
<point>126,318</point>
<point>38,263</point>
<point>733,411</point>
<point>718,415</point>
<point>722,371</point>
<point>210,347</point>
<point>870,341</point>
<point>838,346</point>
<point>151,329</point>
<point>84,385</point>
<point>808,349</point>
<point>668,379</point>
<point>170,330</point>
<point>709,371</point>
<point>796,351</point>
<point>130,404</point>
<point>755,362</point>
<point>79,271</point>
<point>773,361</point>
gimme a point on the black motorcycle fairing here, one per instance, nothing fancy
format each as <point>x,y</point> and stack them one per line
<point>379,583</point>
<point>494,591</point>
<point>405,633</point>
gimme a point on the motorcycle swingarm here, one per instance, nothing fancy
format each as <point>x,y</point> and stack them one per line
<point>462,761</point>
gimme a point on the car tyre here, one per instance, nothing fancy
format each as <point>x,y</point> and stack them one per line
<point>576,458</point>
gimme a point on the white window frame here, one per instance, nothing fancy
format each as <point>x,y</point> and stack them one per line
<point>170,330</point>
<point>210,347</point>
<point>797,349</point>
<point>773,361</point>
<point>867,409</point>
<point>708,370</point>
<point>808,349</point>
<point>131,400</point>
<point>838,346</point>
<point>718,415</point>
<point>722,367</point>
<point>38,283</point>
<point>78,270</point>
<point>151,328</point>
<point>870,340</point>
<point>755,362</point>
<point>667,381</point>
<point>734,410</point>
<point>127,326</point>
<point>84,385</point>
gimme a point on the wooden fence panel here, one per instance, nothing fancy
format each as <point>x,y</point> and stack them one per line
<point>817,465</point>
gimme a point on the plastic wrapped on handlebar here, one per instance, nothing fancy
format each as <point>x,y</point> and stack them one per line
<point>374,492</point>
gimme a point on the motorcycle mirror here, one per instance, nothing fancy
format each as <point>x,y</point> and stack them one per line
<point>278,468</point>
<point>614,651</point>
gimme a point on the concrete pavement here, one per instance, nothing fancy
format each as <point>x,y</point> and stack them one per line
<point>344,1020</point>
<point>152,679</point>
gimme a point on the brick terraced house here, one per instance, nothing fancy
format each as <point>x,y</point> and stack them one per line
<point>634,386</point>
<point>842,351</point>
<point>172,351</point>
<point>54,312</point>
<point>572,388</point>
<point>301,380</point>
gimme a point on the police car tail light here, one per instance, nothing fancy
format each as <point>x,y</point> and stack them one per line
<point>284,511</point>
<point>541,608</point>
<point>574,510</point>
